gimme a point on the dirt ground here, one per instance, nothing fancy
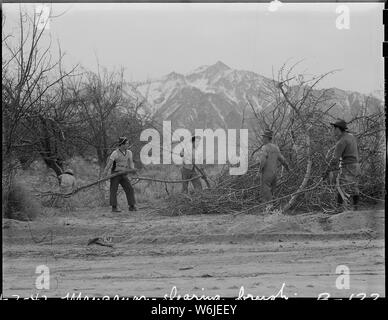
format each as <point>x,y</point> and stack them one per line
<point>202,255</point>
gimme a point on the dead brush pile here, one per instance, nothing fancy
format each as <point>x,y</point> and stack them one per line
<point>299,115</point>
<point>19,204</point>
<point>240,194</point>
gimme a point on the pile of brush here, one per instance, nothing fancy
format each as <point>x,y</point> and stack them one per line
<point>241,194</point>
<point>19,203</point>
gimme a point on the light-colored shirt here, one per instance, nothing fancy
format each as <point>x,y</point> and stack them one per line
<point>122,159</point>
<point>66,183</point>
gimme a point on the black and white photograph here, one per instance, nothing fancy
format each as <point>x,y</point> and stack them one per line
<point>190,151</point>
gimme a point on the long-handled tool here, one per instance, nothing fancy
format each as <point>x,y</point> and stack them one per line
<point>344,195</point>
<point>203,175</point>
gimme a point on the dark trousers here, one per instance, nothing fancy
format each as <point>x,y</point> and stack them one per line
<point>348,182</point>
<point>126,185</point>
<point>268,185</point>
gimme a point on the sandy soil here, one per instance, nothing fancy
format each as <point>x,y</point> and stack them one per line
<point>201,255</point>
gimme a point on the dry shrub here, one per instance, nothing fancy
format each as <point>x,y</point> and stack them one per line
<point>240,194</point>
<point>300,121</point>
<point>19,204</point>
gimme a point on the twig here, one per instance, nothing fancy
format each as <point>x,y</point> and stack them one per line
<point>277,199</point>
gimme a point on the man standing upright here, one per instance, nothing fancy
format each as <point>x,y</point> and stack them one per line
<point>268,163</point>
<point>189,168</point>
<point>67,184</point>
<point>121,160</point>
<point>346,160</point>
<point>67,181</point>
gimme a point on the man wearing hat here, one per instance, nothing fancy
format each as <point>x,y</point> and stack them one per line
<point>347,160</point>
<point>268,164</point>
<point>121,160</point>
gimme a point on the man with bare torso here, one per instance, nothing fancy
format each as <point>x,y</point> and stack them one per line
<point>268,163</point>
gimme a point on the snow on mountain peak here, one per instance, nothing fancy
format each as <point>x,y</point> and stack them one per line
<point>173,76</point>
<point>199,69</point>
<point>378,94</point>
<point>219,66</point>
<point>217,95</point>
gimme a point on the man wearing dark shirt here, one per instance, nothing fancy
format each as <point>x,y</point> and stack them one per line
<point>346,158</point>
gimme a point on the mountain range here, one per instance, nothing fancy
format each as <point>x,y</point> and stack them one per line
<point>216,96</point>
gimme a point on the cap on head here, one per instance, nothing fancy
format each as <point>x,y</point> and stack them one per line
<point>69,171</point>
<point>340,123</point>
<point>267,133</point>
<point>122,140</point>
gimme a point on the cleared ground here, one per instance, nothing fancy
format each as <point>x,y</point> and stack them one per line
<point>199,255</point>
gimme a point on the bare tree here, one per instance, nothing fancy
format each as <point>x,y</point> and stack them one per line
<point>30,76</point>
<point>296,112</point>
<point>99,97</point>
<point>106,111</point>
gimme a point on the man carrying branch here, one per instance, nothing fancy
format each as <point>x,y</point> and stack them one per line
<point>121,160</point>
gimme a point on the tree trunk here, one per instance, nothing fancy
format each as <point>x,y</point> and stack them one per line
<point>48,155</point>
<point>53,164</point>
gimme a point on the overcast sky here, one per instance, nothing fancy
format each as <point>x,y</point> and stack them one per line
<point>151,40</point>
